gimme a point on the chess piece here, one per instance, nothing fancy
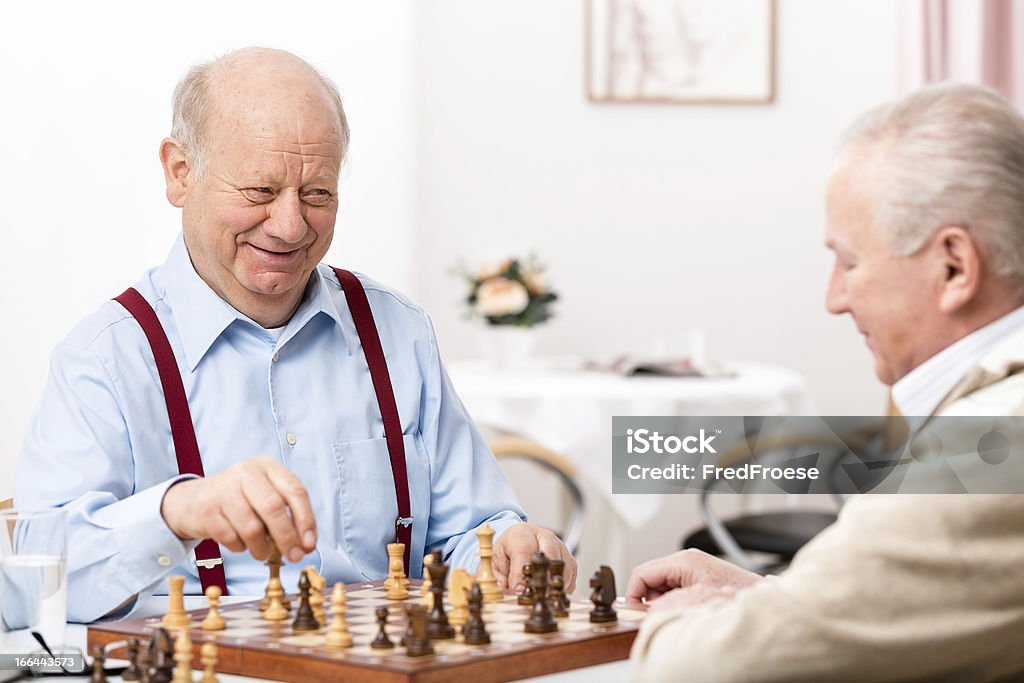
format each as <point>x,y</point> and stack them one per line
<point>274,562</point>
<point>176,616</point>
<point>526,597</point>
<point>418,643</point>
<point>474,630</point>
<point>459,586</point>
<point>428,598</point>
<point>438,627</point>
<point>382,642</point>
<point>161,652</point>
<point>556,590</point>
<point>338,636</point>
<point>213,621</point>
<point>485,574</point>
<point>276,611</point>
<point>540,620</point>
<point>304,619</point>
<point>317,584</point>
<point>134,670</point>
<point>99,658</point>
<point>396,573</point>
<point>425,586</point>
<point>208,656</point>
<point>182,658</point>
<point>603,595</point>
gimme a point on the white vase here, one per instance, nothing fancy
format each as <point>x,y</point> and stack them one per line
<point>507,347</point>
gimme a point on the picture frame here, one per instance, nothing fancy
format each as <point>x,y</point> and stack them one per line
<point>680,51</point>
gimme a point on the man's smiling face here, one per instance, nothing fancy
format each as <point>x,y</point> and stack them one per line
<point>262,216</point>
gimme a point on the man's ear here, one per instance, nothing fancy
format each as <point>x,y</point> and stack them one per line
<point>176,171</point>
<point>961,263</point>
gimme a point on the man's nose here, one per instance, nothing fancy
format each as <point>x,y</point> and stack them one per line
<point>286,221</point>
<point>835,296</point>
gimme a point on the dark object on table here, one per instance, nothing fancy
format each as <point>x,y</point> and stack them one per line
<point>603,583</point>
<point>540,620</point>
<point>382,642</point>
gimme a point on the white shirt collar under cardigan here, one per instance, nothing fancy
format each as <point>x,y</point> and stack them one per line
<point>921,390</point>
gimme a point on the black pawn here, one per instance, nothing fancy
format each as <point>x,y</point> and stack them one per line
<point>526,597</point>
<point>438,627</point>
<point>474,629</point>
<point>418,643</point>
<point>540,620</point>
<point>556,594</point>
<point>133,672</point>
<point>305,620</point>
<point>99,657</point>
<point>382,642</point>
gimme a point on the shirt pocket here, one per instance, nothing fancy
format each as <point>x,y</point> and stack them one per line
<point>368,503</point>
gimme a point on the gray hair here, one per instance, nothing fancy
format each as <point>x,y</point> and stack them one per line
<point>951,154</point>
<point>191,110</point>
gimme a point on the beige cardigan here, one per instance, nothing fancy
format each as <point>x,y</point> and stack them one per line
<point>900,588</point>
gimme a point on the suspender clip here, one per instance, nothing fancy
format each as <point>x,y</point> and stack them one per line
<point>210,563</point>
<point>403,521</point>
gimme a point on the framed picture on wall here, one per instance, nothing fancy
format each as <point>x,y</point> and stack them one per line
<point>680,51</point>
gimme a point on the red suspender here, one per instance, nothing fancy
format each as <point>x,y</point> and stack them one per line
<point>370,340</point>
<point>186,450</point>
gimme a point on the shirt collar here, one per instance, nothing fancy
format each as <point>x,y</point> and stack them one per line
<point>922,389</point>
<point>202,316</point>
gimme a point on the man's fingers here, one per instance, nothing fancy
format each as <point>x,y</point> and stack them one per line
<point>295,496</point>
<point>221,530</point>
<point>648,580</point>
<point>247,524</point>
<point>516,580</point>
<point>570,575</point>
<point>261,496</point>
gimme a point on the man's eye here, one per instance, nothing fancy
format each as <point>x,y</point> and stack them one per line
<point>258,194</point>
<point>317,197</point>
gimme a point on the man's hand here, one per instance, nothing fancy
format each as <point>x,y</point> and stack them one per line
<point>518,543</point>
<point>688,577</point>
<point>240,506</point>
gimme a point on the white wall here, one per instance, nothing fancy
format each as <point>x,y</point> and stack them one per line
<point>653,219</point>
<point>86,99</point>
<point>471,138</point>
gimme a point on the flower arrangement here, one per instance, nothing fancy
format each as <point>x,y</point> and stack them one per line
<point>509,292</point>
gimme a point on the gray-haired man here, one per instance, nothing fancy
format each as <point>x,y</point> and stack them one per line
<point>925,214</point>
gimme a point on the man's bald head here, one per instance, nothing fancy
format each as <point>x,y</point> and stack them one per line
<point>240,80</point>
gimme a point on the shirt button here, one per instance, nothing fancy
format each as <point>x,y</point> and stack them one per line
<point>276,356</point>
<point>164,561</point>
<point>291,439</point>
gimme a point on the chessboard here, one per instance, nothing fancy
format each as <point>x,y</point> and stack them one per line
<point>253,646</point>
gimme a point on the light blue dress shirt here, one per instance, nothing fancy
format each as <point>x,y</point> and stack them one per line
<point>99,444</point>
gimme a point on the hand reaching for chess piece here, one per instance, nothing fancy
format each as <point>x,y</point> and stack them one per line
<point>239,506</point>
<point>517,544</point>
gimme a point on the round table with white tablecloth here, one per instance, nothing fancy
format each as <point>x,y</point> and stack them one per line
<point>570,411</point>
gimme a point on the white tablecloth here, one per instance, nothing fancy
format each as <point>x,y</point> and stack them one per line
<point>570,410</point>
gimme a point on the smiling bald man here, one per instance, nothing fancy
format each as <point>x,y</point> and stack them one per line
<point>244,392</point>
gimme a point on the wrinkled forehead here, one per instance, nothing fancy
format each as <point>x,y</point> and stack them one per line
<point>256,124</point>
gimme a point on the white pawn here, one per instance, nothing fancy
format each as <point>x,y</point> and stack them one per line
<point>182,658</point>
<point>213,621</point>
<point>338,636</point>
<point>208,656</point>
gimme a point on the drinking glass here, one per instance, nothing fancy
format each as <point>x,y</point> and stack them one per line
<point>33,579</point>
